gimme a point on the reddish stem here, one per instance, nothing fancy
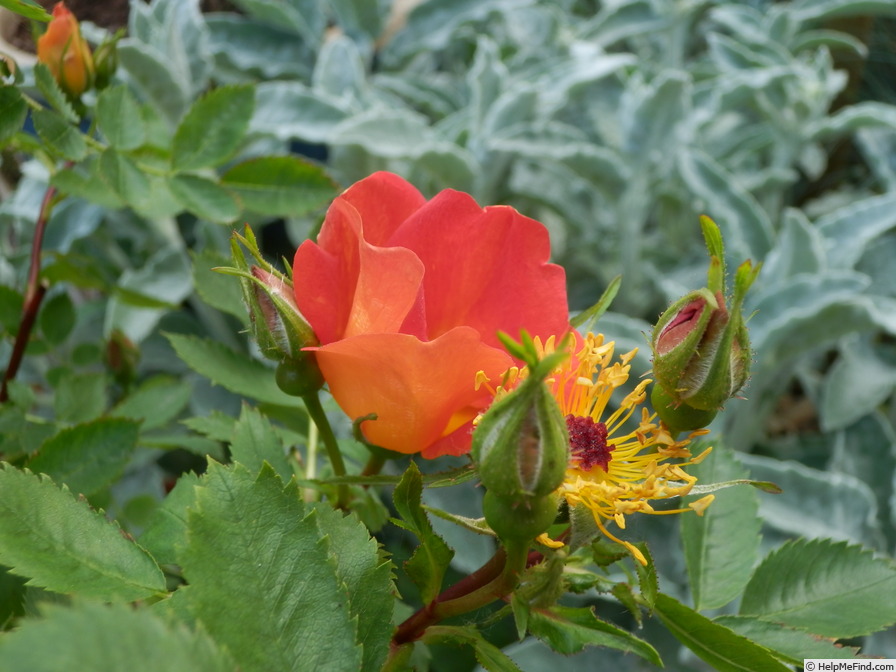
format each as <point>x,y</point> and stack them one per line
<point>34,294</point>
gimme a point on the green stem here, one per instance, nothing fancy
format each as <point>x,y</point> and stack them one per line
<point>319,418</point>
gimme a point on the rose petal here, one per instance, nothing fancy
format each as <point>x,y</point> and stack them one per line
<point>358,289</point>
<point>486,268</point>
<point>420,391</point>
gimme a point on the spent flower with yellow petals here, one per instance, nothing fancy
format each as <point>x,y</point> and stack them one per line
<point>614,470</point>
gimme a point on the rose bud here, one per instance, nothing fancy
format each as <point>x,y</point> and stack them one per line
<point>701,349</point>
<point>62,49</point>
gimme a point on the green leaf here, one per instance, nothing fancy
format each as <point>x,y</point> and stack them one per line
<point>430,560</point>
<point>123,176</point>
<point>217,289</point>
<point>27,8</point>
<point>721,546</point>
<point>232,370</point>
<point>108,638</point>
<point>87,457</point>
<point>167,529</point>
<point>213,128</point>
<point>57,318</point>
<point>279,185</point>
<point>489,656</point>
<point>13,112</point>
<point>59,135</point>
<point>80,397</point>
<point>64,546</point>
<point>723,649</point>
<point>592,314</point>
<point>831,589</point>
<point>791,645</point>
<point>54,95</point>
<point>156,402</point>
<point>83,180</point>
<point>205,198</point>
<point>570,629</point>
<point>255,442</point>
<point>161,85</point>
<point>252,543</point>
<point>369,577</point>
<point>11,304</point>
<point>119,119</point>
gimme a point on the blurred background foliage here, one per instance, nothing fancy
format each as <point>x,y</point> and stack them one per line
<point>615,123</point>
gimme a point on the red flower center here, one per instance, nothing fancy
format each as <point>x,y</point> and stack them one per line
<point>588,442</point>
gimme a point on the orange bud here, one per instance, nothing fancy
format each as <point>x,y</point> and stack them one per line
<point>65,53</point>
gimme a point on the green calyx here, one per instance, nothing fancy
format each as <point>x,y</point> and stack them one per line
<point>299,376</point>
<point>280,329</point>
<point>521,445</point>
<point>701,349</point>
<point>519,519</point>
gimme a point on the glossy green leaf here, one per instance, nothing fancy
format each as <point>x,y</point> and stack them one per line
<point>368,578</point>
<point>167,529</point>
<point>57,318</point>
<point>13,111</point>
<point>218,290</point>
<point>430,560</point>
<point>87,457</point>
<point>83,180</point>
<point>204,198</point>
<point>787,643</point>
<point>213,128</point>
<point>27,8</point>
<point>108,638</point>
<point>830,588</point>
<point>59,136</point>
<point>124,177</point>
<point>722,648</point>
<point>80,397</point>
<point>722,545</point>
<point>54,95</point>
<point>235,371</point>
<point>489,656</point>
<point>255,442</point>
<point>119,118</point>
<point>61,544</point>
<point>570,629</point>
<point>156,402</point>
<point>279,185</point>
<point>253,540</point>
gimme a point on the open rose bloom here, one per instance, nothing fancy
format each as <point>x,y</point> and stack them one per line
<point>406,297</point>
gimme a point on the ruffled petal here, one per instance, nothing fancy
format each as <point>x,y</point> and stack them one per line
<point>420,391</point>
<point>360,288</point>
<point>485,268</point>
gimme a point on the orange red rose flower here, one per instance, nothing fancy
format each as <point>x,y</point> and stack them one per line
<point>406,296</point>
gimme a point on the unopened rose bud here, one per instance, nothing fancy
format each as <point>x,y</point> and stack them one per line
<point>65,52</point>
<point>701,349</point>
<point>521,444</point>
<point>278,326</point>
